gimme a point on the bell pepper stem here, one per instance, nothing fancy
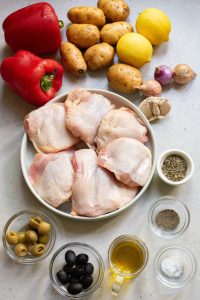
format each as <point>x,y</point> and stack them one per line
<point>61,23</point>
<point>47,81</point>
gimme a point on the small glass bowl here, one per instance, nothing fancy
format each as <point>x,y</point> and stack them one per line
<point>168,202</point>
<point>182,255</point>
<point>185,156</point>
<point>17,223</point>
<point>58,261</point>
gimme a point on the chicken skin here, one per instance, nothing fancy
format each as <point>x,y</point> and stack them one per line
<point>95,191</point>
<point>46,129</point>
<point>122,122</point>
<point>128,159</point>
<point>52,176</point>
<point>85,111</point>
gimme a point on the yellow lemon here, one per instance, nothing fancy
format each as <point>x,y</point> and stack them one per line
<point>134,49</point>
<point>154,24</point>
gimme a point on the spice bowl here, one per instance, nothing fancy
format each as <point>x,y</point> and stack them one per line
<point>180,154</point>
<point>169,217</point>
<point>175,266</point>
<point>18,223</point>
<point>57,263</point>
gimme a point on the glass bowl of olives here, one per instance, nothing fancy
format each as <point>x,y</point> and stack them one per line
<point>76,270</point>
<point>29,236</point>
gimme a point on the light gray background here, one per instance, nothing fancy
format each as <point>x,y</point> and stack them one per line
<point>179,130</point>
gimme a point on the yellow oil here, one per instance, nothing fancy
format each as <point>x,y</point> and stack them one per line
<point>127,257</point>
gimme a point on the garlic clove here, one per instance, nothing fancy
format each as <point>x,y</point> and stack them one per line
<point>165,107</point>
<point>145,107</point>
<point>182,74</point>
<point>155,108</point>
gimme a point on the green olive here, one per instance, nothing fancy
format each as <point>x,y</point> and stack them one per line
<point>12,238</point>
<point>43,239</point>
<point>21,237</point>
<point>34,222</point>
<point>38,250</point>
<point>31,236</point>
<point>44,228</point>
<point>20,249</point>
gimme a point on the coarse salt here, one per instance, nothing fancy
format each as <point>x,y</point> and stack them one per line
<point>172,268</point>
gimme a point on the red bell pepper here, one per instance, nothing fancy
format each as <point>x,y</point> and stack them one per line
<point>34,28</point>
<point>35,79</point>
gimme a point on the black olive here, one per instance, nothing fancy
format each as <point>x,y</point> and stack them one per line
<point>73,280</point>
<point>70,257</point>
<point>68,269</point>
<point>87,281</point>
<point>89,268</point>
<point>78,271</point>
<point>75,288</point>
<point>62,277</point>
<point>81,259</point>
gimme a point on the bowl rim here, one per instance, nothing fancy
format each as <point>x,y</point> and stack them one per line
<point>183,154</point>
<point>101,269</point>
<point>123,208</point>
<point>23,259</point>
<point>156,204</point>
<point>185,250</point>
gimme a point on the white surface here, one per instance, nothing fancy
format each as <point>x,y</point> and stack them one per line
<point>179,130</point>
<point>28,152</point>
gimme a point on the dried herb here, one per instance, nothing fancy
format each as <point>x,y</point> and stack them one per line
<point>174,168</point>
<point>167,219</point>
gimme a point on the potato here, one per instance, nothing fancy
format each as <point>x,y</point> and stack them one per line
<point>123,78</point>
<point>111,33</point>
<point>114,10</point>
<point>99,56</point>
<point>72,59</point>
<point>86,15</point>
<point>101,3</point>
<point>83,35</point>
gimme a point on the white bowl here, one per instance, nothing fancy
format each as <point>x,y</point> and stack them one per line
<point>28,152</point>
<point>185,156</point>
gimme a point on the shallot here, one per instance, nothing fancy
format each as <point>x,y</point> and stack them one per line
<point>150,88</point>
<point>163,74</point>
<point>183,74</point>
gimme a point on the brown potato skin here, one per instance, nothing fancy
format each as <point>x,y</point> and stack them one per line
<point>99,56</point>
<point>83,35</point>
<point>123,78</point>
<point>114,10</point>
<point>86,15</point>
<point>101,3</point>
<point>72,59</point>
<point>111,33</point>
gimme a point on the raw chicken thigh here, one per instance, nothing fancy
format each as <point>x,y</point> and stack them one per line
<point>52,176</point>
<point>122,122</point>
<point>84,113</point>
<point>128,159</point>
<point>95,191</point>
<point>46,129</point>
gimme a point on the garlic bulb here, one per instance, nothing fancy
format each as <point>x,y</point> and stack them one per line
<point>150,88</point>
<point>155,108</point>
<point>183,74</point>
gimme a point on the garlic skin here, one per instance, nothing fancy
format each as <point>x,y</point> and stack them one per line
<point>155,108</point>
<point>183,74</point>
<point>150,88</point>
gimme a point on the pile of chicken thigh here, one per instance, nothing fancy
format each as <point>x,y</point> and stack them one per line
<point>104,175</point>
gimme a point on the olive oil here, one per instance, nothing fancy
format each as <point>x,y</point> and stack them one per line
<point>127,257</point>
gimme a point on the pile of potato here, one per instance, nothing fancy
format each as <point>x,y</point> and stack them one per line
<point>90,39</point>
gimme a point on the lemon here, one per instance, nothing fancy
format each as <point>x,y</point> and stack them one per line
<point>134,49</point>
<point>154,24</point>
